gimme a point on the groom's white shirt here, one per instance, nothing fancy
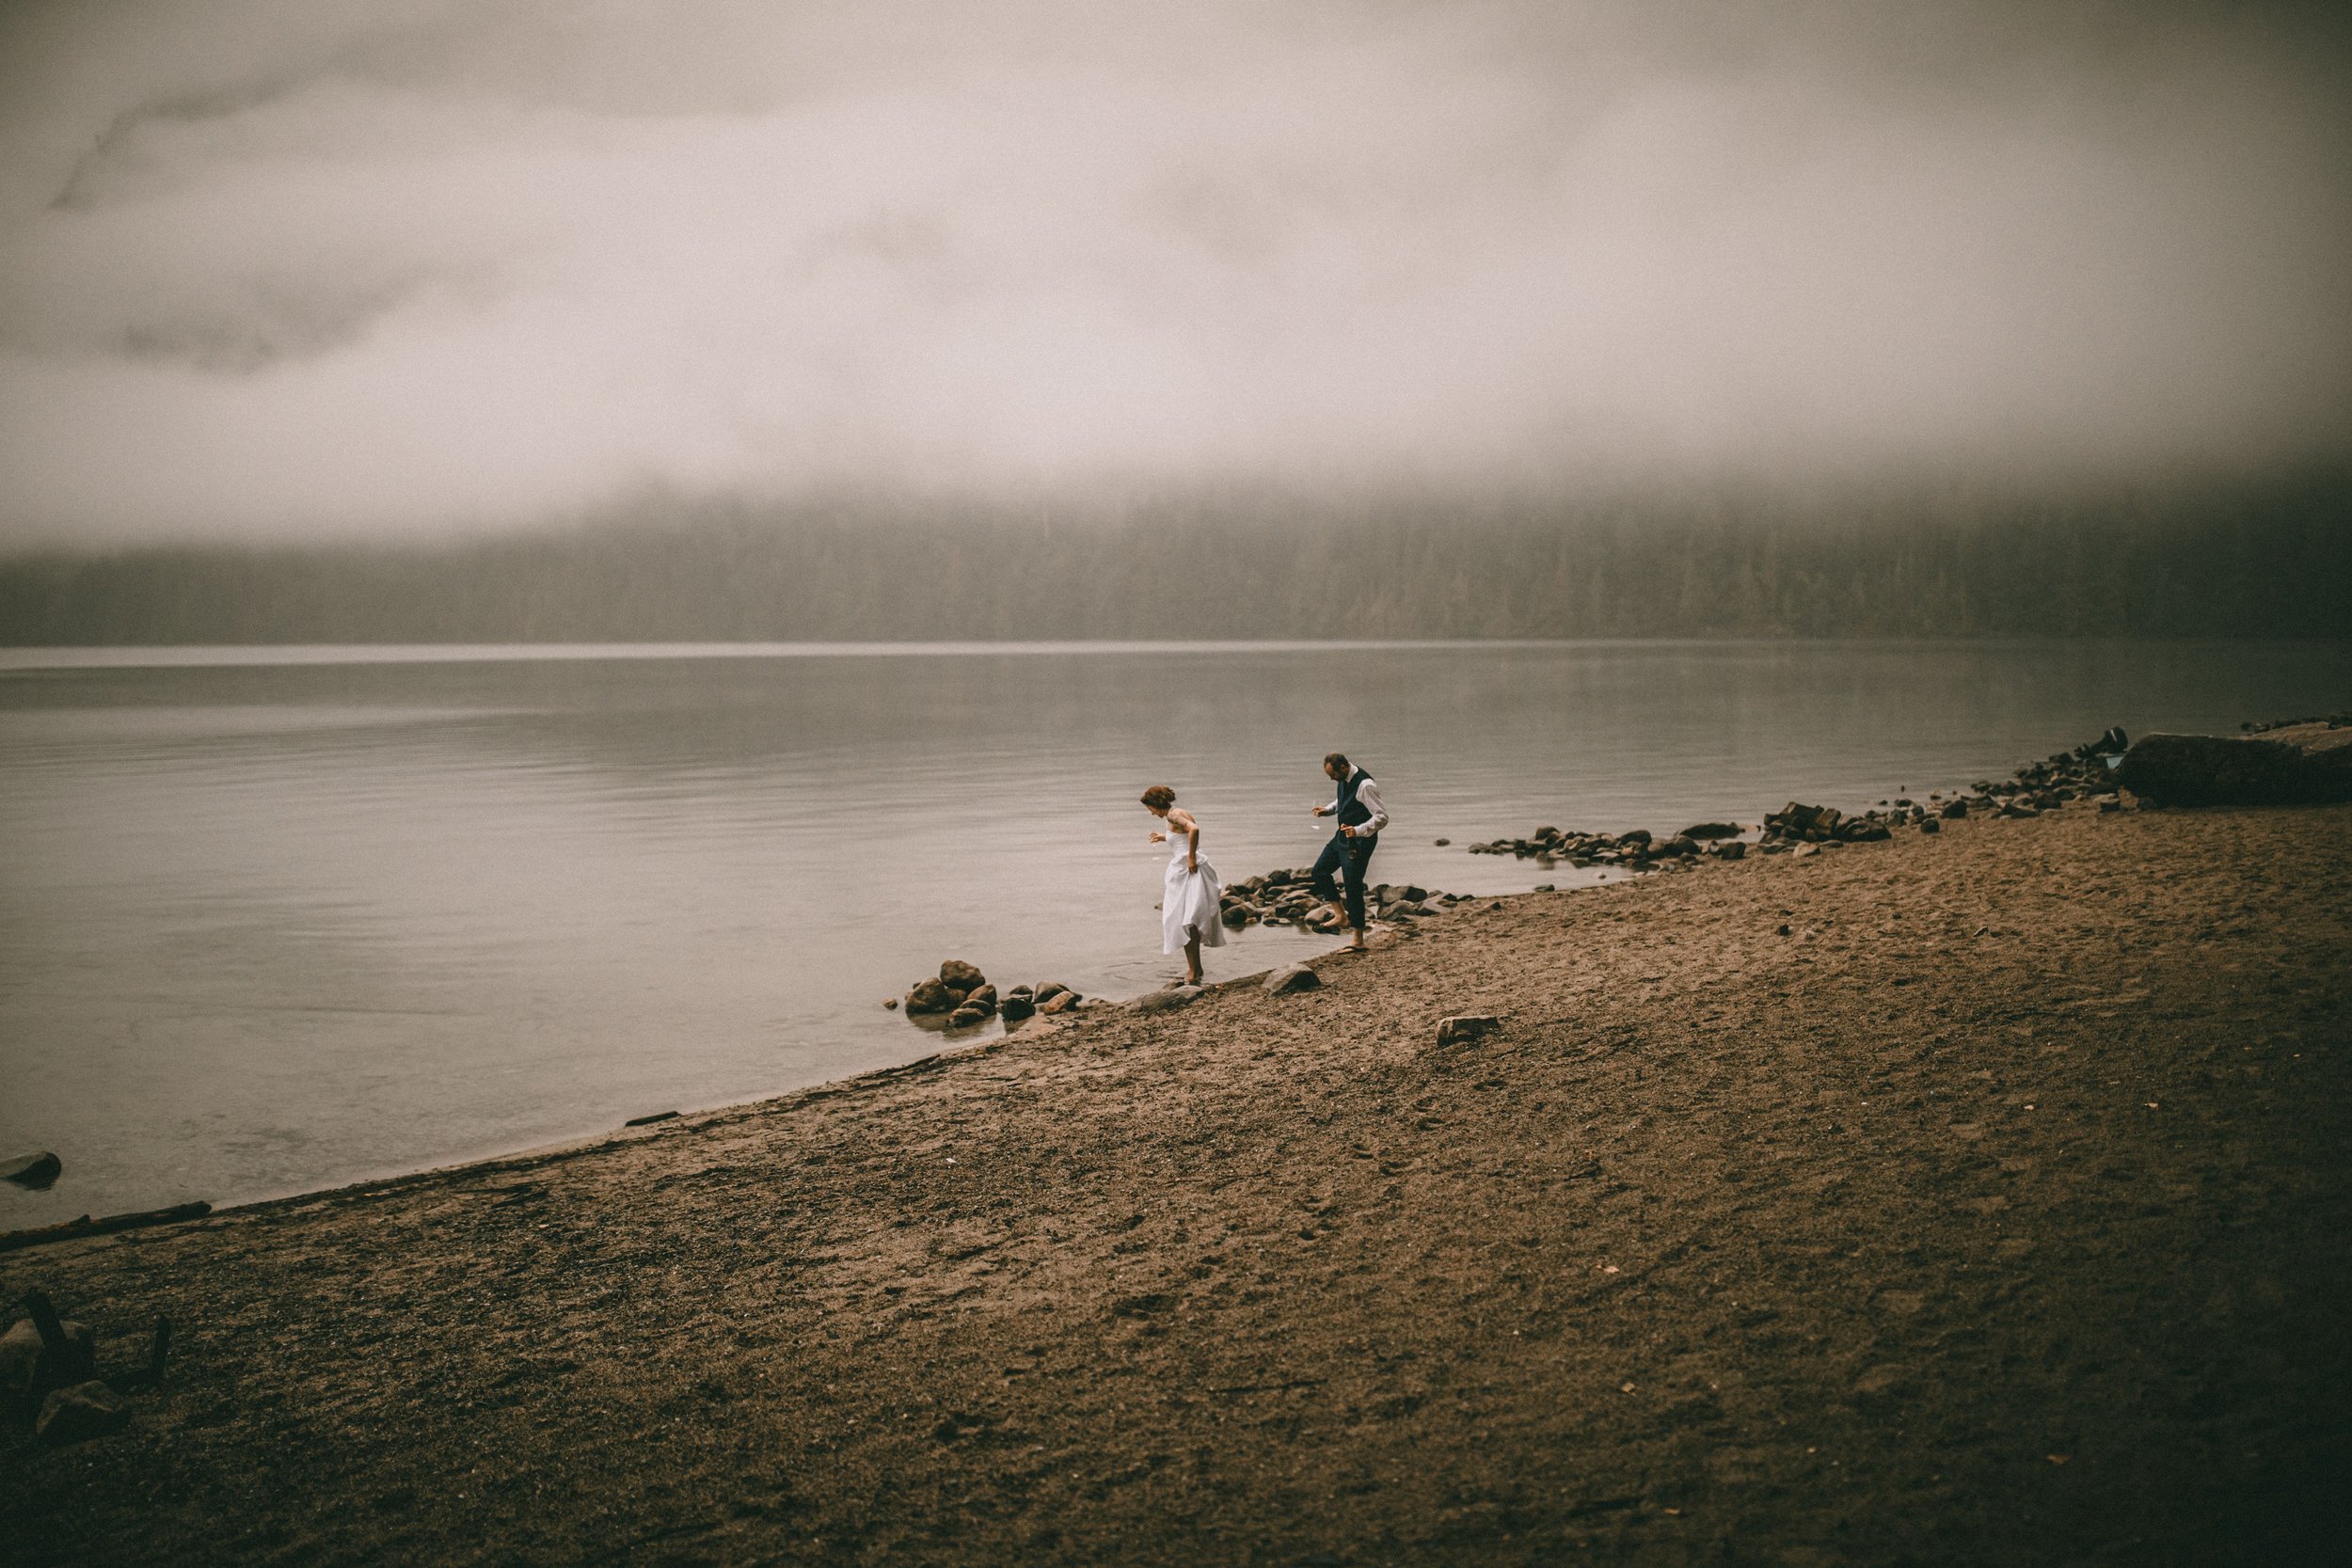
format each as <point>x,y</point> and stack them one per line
<point>1368,793</point>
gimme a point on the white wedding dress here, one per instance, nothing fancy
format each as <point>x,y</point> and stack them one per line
<point>1191,900</point>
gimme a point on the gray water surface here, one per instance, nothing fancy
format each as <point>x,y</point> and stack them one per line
<point>274,919</point>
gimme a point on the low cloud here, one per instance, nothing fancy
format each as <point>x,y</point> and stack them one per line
<point>297,269</point>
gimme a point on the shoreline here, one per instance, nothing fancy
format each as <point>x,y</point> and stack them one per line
<point>1251,901</point>
<point>1973,1195</point>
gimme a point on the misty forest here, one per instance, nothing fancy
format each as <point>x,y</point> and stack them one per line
<point>2277,563</point>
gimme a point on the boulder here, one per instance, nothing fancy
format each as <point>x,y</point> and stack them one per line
<point>965,1018</point>
<point>1862,832</point>
<point>1285,982</point>
<point>1931,826</point>
<point>33,1170</point>
<point>1731,849</point>
<point>984,999</point>
<point>962,975</point>
<point>1167,1001</point>
<point>2299,764</point>
<point>1015,1008</point>
<point>1464,1027</point>
<point>1060,1002</point>
<point>86,1410</point>
<point>928,996</point>
<point>1047,992</point>
<point>1710,829</point>
<point>25,1367</point>
<point>1953,810</point>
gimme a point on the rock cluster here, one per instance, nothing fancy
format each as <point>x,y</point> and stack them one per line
<point>963,994</point>
<point>2086,772</point>
<point>1287,898</point>
<point>1638,850</point>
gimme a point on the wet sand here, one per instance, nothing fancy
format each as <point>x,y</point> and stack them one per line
<point>1997,1212</point>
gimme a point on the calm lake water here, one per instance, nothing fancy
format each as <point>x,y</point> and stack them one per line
<point>274,919</point>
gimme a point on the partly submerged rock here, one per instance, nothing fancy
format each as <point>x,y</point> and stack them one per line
<point>32,1171</point>
<point>2299,764</point>
<point>928,996</point>
<point>962,975</point>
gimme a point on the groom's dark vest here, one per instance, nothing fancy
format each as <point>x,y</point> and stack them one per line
<point>1353,812</point>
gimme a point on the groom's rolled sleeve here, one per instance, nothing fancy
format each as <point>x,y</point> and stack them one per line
<point>1368,795</point>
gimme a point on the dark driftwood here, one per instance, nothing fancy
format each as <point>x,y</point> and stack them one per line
<point>41,1235</point>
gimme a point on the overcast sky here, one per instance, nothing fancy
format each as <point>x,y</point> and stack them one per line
<point>309,268</point>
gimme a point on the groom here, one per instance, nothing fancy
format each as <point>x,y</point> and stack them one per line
<point>1361,818</point>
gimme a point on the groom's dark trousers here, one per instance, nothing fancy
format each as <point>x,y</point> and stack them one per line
<point>1348,855</point>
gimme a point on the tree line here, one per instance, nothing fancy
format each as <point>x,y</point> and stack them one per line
<point>2272,563</point>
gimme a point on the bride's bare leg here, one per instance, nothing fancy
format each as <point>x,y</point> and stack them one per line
<point>1192,955</point>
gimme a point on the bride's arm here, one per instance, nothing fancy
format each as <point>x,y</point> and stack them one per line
<point>1191,831</point>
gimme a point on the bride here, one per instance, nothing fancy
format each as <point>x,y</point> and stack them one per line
<point>1188,913</point>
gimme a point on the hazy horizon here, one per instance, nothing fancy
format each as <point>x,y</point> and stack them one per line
<point>344,273</point>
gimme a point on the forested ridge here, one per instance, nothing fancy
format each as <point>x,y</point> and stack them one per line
<point>2276,562</point>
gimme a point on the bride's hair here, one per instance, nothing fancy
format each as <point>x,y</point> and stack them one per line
<point>1159,798</point>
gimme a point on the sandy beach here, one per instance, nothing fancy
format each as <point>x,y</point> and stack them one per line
<point>1979,1198</point>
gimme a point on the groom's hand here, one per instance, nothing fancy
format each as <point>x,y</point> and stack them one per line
<point>1314,811</point>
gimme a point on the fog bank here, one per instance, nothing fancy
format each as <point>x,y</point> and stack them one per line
<point>333,271</point>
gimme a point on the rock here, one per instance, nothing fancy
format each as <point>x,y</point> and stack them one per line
<point>928,996</point>
<point>2299,764</point>
<point>33,1170</point>
<point>984,999</point>
<point>1285,982</point>
<point>1167,1001</point>
<point>1442,842</point>
<point>1710,829</point>
<point>1731,849</point>
<point>1546,887</point>
<point>22,1368</point>
<point>1235,916</point>
<point>890,1003</point>
<point>1953,810</point>
<point>1862,832</point>
<point>1931,826</point>
<point>86,1410</point>
<point>965,1018</point>
<point>962,975</point>
<point>1015,1008</point>
<point>1803,849</point>
<point>1060,1002</point>
<point>1676,847</point>
<point>1047,992</point>
<point>1881,1385</point>
<point>1464,1027</point>
<point>1022,991</point>
<point>1639,835</point>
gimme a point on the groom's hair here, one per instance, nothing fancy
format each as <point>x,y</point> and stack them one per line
<point>1338,760</point>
